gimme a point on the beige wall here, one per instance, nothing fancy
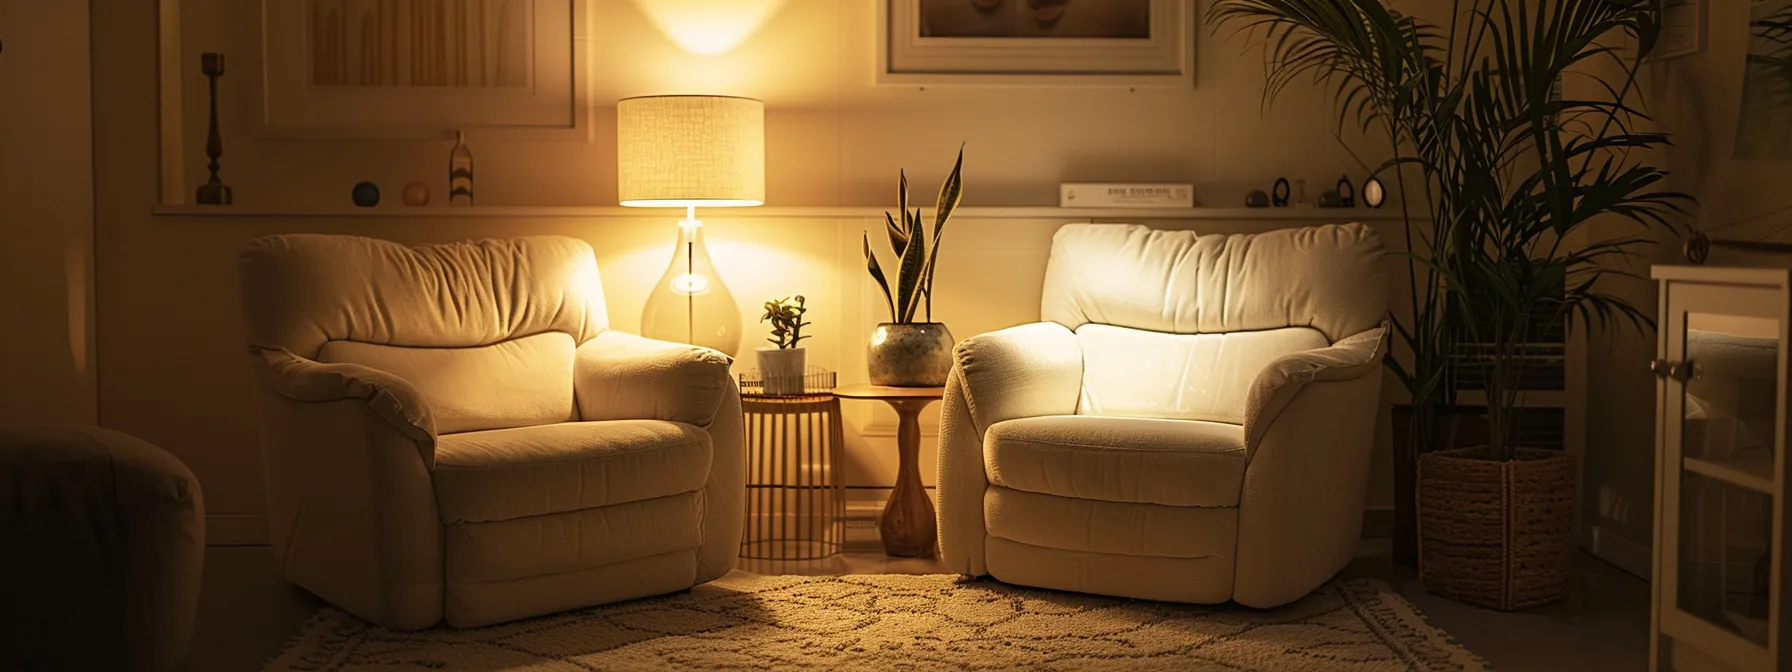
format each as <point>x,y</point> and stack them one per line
<point>46,216</point>
<point>834,137</point>
<point>171,344</point>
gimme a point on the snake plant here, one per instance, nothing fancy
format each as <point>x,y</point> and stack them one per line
<point>914,259</point>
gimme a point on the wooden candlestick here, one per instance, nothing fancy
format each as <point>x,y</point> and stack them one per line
<point>213,192</point>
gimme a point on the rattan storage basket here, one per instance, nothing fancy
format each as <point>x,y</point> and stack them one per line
<point>1496,534</point>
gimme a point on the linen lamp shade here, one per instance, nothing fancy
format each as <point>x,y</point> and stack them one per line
<point>690,151</point>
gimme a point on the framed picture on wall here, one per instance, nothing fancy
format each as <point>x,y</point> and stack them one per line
<point>1118,42</point>
<point>403,68</point>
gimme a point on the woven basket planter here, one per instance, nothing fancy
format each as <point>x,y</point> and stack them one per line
<point>1496,534</point>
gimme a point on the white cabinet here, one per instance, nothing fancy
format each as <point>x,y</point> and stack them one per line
<point>1721,470</point>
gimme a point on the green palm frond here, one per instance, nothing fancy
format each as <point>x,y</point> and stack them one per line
<point>1770,53</point>
<point>1499,172</point>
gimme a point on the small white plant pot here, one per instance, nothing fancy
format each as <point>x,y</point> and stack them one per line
<point>783,370</point>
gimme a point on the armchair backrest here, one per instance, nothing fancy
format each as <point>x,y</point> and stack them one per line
<point>1175,324</point>
<point>485,330</point>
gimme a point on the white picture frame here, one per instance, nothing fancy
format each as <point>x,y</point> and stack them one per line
<point>539,92</point>
<point>1166,58</point>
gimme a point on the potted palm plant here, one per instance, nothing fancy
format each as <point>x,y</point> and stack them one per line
<point>1511,173</point>
<point>1389,82</point>
<point>906,352</point>
<point>782,366</point>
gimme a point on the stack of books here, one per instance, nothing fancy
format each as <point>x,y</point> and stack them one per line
<point>1088,195</point>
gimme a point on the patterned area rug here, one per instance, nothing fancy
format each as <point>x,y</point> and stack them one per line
<point>747,621</point>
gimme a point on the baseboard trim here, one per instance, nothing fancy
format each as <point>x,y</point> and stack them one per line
<point>880,429</point>
<point>236,529</point>
<point>1626,554</point>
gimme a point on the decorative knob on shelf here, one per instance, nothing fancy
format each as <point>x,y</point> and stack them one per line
<point>1659,367</point>
<point>1681,371</point>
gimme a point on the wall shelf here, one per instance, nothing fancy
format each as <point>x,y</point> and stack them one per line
<point>797,212</point>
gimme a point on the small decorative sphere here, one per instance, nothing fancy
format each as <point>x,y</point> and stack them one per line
<point>366,194</point>
<point>416,194</point>
<point>1256,199</point>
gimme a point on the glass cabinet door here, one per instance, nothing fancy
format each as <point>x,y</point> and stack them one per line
<point>1722,395</point>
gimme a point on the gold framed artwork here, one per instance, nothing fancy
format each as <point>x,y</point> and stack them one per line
<point>407,68</point>
<point>1116,42</point>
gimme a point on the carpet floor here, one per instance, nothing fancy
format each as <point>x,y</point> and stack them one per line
<point>925,622</point>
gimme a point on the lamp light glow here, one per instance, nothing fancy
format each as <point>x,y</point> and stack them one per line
<point>690,283</point>
<point>708,26</point>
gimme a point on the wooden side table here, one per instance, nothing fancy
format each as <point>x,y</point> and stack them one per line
<point>796,502</point>
<point>908,526</point>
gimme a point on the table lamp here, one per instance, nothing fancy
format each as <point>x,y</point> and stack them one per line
<point>690,151</point>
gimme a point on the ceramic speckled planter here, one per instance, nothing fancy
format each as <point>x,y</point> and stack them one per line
<point>910,355</point>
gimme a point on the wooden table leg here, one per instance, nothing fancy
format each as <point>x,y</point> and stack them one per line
<point>908,526</point>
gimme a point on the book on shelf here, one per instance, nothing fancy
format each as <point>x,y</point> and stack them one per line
<point>1148,195</point>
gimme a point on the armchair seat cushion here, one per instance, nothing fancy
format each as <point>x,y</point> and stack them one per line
<point>1140,460</point>
<point>506,474</point>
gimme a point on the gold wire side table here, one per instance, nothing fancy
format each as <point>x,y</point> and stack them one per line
<point>796,497</point>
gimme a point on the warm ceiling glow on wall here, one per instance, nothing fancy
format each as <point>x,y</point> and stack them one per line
<point>709,26</point>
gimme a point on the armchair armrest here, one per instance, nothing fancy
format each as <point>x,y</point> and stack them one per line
<point>389,397</point>
<point>1277,386</point>
<point>618,376</point>
<point>1020,372</point>
<point>621,376</point>
<point>349,456</point>
<point>1309,430</point>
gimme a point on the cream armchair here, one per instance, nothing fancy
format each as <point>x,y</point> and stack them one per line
<point>450,431</point>
<point>1192,421</point>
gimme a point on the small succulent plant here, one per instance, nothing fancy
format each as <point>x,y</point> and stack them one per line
<point>913,290</point>
<point>786,316</point>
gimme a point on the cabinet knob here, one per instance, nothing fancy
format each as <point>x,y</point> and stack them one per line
<point>1681,371</point>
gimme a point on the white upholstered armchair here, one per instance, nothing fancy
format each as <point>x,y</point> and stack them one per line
<point>1191,422</point>
<point>451,431</point>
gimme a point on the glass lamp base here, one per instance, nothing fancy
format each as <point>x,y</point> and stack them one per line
<point>690,304</point>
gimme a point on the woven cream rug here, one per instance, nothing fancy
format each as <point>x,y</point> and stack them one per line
<point>885,622</point>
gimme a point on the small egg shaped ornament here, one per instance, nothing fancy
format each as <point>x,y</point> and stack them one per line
<point>1374,193</point>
